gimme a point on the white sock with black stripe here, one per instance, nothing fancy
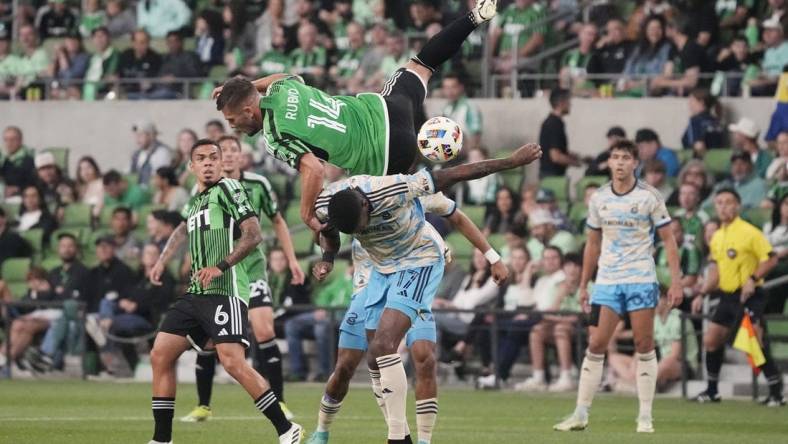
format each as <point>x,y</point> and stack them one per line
<point>268,405</point>
<point>329,408</point>
<point>426,415</point>
<point>394,388</point>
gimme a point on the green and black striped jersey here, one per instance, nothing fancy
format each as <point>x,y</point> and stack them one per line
<point>212,220</point>
<point>263,201</point>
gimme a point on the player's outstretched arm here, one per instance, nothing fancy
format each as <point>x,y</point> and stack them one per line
<point>329,243</point>
<point>465,225</point>
<point>446,178</point>
<point>312,173</point>
<point>675,292</point>
<point>590,261</point>
<point>173,243</point>
<point>282,233</point>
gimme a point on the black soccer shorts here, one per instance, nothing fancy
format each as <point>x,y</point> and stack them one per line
<point>730,310</point>
<point>260,294</point>
<point>404,93</point>
<point>222,319</point>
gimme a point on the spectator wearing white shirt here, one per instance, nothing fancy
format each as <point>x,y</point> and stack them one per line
<point>151,154</point>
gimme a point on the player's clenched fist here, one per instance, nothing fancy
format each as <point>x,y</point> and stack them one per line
<point>527,154</point>
<point>322,269</point>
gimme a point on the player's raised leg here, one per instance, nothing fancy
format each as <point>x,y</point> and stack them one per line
<point>165,353</point>
<point>233,359</point>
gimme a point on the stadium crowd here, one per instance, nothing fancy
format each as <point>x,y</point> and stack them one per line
<point>64,49</point>
<point>86,242</point>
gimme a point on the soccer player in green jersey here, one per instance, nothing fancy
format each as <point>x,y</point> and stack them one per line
<point>222,229</point>
<point>268,358</point>
<point>370,133</point>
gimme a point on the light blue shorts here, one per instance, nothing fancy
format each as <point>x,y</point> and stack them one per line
<point>414,300</point>
<point>626,298</point>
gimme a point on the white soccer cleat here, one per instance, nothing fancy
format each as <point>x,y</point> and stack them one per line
<point>645,425</point>
<point>562,385</point>
<point>292,436</point>
<point>531,385</point>
<point>484,10</point>
<point>485,382</point>
<point>573,423</point>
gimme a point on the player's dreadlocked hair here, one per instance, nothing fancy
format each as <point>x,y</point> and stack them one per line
<point>234,93</point>
<point>344,210</point>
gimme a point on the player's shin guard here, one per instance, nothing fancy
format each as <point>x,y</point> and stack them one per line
<point>329,408</point>
<point>646,381</point>
<point>163,411</point>
<point>268,405</point>
<point>590,378</point>
<point>713,365</point>
<point>203,373</point>
<point>394,386</point>
<point>377,390</point>
<point>446,43</point>
<point>426,415</point>
<point>268,362</point>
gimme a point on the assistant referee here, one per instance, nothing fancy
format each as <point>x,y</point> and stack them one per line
<point>741,256</point>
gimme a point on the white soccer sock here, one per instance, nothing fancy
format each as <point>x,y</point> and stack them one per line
<point>394,387</point>
<point>566,375</point>
<point>328,410</point>
<point>374,375</point>
<point>426,415</point>
<point>590,377</point>
<point>646,381</point>
<point>538,375</point>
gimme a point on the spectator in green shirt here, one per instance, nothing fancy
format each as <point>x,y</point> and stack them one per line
<point>317,325</point>
<point>545,232</point>
<point>119,192</point>
<point>520,29</point>
<point>34,59</point>
<point>103,65</point>
<point>462,111</point>
<point>308,60</point>
<point>274,61</point>
<point>690,257</point>
<point>690,214</point>
<point>92,18</point>
<point>575,62</point>
<point>350,60</point>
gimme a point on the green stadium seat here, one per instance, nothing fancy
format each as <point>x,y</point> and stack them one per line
<point>293,216</point>
<point>14,273</point>
<point>496,241</point>
<point>580,186</point>
<point>577,216</point>
<point>718,161</point>
<point>757,216</point>
<point>559,185</point>
<point>303,242</point>
<point>475,213</point>
<point>77,215</point>
<point>61,155</point>
<point>513,179</point>
<point>105,216</point>
<point>50,262</point>
<point>459,245</point>
<point>34,237</point>
<point>143,212</point>
<point>11,211</point>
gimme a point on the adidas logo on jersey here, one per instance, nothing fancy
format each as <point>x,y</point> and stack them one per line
<point>223,332</point>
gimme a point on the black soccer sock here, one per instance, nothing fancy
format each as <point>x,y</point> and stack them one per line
<point>446,43</point>
<point>268,362</point>
<point>163,411</point>
<point>713,365</point>
<point>770,370</point>
<point>269,406</point>
<point>204,371</point>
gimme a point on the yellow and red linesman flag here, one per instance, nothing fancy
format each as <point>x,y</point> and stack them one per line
<point>747,341</point>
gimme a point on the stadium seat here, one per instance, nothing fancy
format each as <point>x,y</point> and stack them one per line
<point>50,262</point>
<point>559,185</point>
<point>718,161</point>
<point>496,241</point>
<point>577,216</point>
<point>580,186</point>
<point>14,273</point>
<point>303,242</point>
<point>513,179</point>
<point>105,216</point>
<point>460,247</point>
<point>757,216</point>
<point>293,216</point>
<point>11,211</point>
<point>34,237</point>
<point>143,212</point>
<point>77,215</point>
<point>61,155</point>
<point>475,213</point>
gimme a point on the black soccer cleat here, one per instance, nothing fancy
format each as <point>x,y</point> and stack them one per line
<point>706,397</point>
<point>773,401</point>
<point>406,440</point>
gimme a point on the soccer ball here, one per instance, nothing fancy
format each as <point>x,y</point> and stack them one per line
<point>440,139</point>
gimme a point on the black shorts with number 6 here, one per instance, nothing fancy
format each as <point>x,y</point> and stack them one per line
<point>201,317</point>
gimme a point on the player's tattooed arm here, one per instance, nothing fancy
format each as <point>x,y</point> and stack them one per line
<point>251,236</point>
<point>173,243</point>
<point>447,177</point>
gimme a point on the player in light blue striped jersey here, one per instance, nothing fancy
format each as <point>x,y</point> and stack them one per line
<point>622,218</point>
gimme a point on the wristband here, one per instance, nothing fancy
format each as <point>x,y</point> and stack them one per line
<point>492,256</point>
<point>328,257</point>
<point>755,278</point>
<point>223,265</point>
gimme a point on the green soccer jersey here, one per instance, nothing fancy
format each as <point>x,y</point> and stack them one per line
<point>350,62</point>
<point>349,132</point>
<point>213,218</point>
<point>263,202</point>
<point>274,62</point>
<point>689,257</point>
<point>519,24</point>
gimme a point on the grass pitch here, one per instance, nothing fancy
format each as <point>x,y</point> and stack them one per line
<point>108,413</point>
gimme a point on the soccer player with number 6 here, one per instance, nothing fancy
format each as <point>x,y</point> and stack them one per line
<point>222,229</point>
